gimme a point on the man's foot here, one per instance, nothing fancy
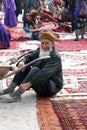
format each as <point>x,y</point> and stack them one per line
<point>82,37</point>
<point>6,91</point>
<point>76,39</point>
<point>10,98</point>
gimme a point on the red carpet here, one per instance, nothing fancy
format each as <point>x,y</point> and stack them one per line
<point>62,45</point>
<point>46,117</point>
<point>75,71</point>
<point>70,114</point>
<point>70,45</point>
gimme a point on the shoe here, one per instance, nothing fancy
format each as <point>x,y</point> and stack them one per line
<point>10,98</point>
<point>82,36</point>
<point>6,91</point>
<point>76,39</point>
<point>1,92</point>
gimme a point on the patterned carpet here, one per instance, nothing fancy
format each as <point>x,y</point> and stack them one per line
<point>71,113</point>
<point>65,43</point>
<point>46,117</point>
<point>74,73</point>
<point>68,110</point>
<point>62,113</point>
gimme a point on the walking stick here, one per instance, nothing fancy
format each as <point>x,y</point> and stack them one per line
<point>29,64</point>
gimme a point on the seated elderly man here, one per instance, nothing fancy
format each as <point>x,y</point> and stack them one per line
<point>44,77</point>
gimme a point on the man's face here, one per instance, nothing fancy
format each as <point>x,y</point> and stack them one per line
<point>46,44</point>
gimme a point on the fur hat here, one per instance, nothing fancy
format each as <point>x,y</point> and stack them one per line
<point>48,35</point>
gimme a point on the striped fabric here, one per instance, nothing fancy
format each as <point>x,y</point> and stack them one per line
<point>52,5</point>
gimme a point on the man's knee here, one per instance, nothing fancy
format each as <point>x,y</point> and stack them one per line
<point>31,74</point>
<point>34,69</point>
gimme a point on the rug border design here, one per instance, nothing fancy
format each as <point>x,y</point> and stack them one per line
<point>47,118</point>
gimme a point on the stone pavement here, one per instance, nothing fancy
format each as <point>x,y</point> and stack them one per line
<point>20,115</point>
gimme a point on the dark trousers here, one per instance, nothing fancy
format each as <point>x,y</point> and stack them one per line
<point>25,75</point>
<point>47,89</point>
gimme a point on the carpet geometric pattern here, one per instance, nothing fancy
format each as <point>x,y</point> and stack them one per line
<point>62,45</point>
<point>70,45</point>
<point>71,113</point>
<point>47,118</point>
<point>74,71</point>
<point>62,114</point>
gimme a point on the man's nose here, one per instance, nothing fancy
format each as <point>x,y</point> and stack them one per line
<point>44,45</point>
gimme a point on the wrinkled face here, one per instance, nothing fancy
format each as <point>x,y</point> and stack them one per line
<point>46,44</point>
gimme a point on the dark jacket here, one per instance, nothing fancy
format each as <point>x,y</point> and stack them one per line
<point>49,80</point>
<point>33,4</point>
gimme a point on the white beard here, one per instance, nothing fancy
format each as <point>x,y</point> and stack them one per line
<point>44,53</point>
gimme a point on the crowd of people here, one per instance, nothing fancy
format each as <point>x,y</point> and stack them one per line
<point>44,76</point>
<point>74,12</point>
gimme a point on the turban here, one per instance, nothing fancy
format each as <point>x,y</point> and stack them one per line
<point>48,35</point>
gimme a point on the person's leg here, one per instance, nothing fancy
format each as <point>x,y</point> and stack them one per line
<point>25,12</point>
<point>16,95</point>
<point>25,85</point>
<point>35,36</point>
<point>82,33</point>
<point>18,78</point>
<point>76,39</point>
<point>76,33</point>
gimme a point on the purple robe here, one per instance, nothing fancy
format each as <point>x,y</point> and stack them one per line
<point>10,16</point>
<point>5,37</point>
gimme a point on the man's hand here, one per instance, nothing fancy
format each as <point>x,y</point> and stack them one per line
<point>21,64</point>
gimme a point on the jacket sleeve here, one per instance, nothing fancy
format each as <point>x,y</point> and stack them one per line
<point>52,66</point>
<point>31,56</point>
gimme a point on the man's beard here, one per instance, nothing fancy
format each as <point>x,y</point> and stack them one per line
<point>44,53</point>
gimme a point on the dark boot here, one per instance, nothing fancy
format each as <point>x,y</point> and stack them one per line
<point>82,36</point>
<point>10,89</point>
<point>76,39</point>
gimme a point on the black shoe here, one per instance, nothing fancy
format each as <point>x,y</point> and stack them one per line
<point>76,39</point>
<point>82,37</point>
<point>6,91</point>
